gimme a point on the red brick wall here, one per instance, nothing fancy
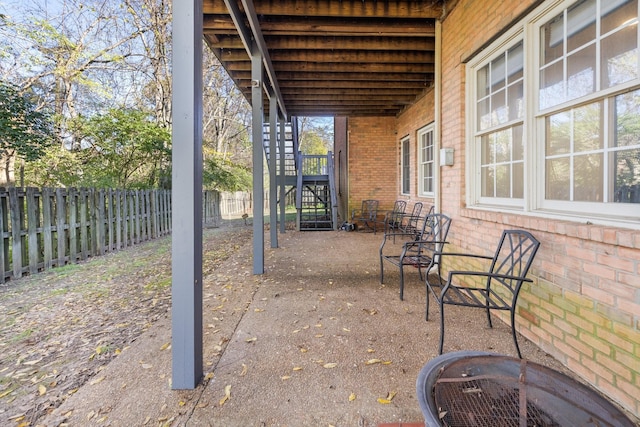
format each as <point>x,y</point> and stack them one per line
<point>373,161</point>
<point>416,117</point>
<point>584,307</point>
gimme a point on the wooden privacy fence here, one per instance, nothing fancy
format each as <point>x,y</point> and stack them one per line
<point>45,228</point>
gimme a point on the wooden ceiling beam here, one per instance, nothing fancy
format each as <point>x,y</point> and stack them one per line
<point>347,76</point>
<point>317,67</point>
<point>339,56</point>
<point>400,9</point>
<point>283,26</point>
<point>350,43</point>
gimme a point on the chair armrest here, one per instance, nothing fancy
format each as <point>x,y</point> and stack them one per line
<point>457,254</point>
<point>485,274</point>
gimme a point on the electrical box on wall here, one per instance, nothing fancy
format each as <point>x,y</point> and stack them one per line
<point>446,157</point>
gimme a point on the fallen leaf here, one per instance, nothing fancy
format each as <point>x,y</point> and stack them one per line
<point>32,362</point>
<point>372,361</point>
<point>286,377</point>
<point>147,366</point>
<point>96,381</point>
<point>227,395</point>
<point>329,365</point>
<point>244,370</point>
<point>298,368</point>
<point>388,399</point>
<point>346,329</point>
<point>258,310</point>
<point>165,346</point>
<point>352,397</point>
<point>251,339</point>
<point>42,389</point>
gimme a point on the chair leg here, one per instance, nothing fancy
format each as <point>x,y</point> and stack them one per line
<point>381,270</point>
<point>513,331</point>
<point>441,328</point>
<point>489,315</point>
<point>401,281</point>
<point>426,314</point>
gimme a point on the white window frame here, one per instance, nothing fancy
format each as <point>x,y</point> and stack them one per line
<point>405,165</point>
<point>423,138</point>
<point>534,203</point>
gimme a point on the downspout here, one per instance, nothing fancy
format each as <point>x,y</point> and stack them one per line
<point>438,113</point>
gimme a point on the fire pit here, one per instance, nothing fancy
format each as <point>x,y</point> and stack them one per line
<point>484,389</point>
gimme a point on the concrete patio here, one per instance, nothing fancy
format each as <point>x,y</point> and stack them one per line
<point>315,341</point>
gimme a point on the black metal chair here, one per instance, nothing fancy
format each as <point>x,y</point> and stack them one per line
<point>495,288</point>
<point>419,252</point>
<point>393,218</point>
<point>367,215</point>
<point>411,222</point>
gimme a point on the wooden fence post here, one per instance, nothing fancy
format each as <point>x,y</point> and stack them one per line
<point>47,237</point>
<point>61,217</point>
<point>4,229</point>
<point>73,224</point>
<point>33,214</point>
<point>110,219</point>
<point>118,214</point>
<point>84,222</point>
<point>16,230</point>
<point>100,219</point>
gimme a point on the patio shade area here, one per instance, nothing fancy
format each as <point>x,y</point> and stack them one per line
<point>345,58</point>
<point>315,341</point>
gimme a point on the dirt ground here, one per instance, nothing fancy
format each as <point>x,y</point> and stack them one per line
<point>59,329</point>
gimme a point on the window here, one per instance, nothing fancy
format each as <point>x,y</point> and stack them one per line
<point>574,147</point>
<point>426,161</point>
<point>406,166</point>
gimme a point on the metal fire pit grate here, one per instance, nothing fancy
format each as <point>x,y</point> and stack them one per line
<point>496,391</point>
<point>491,402</point>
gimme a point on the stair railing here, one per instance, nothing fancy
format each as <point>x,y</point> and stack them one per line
<point>332,190</point>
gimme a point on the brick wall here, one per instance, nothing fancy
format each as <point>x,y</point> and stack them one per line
<point>373,161</point>
<point>584,307</point>
<point>416,117</point>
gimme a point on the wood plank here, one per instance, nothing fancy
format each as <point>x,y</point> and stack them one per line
<point>100,222</point>
<point>333,67</point>
<point>61,222</point>
<point>110,195</point>
<point>83,200</point>
<point>72,203</point>
<point>328,8</point>
<point>118,213</point>
<point>336,26</point>
<point>4,234</point>
<point>349,43</point>
<point>16,212</point>
<point>340,56</point>
<point>32,225</point>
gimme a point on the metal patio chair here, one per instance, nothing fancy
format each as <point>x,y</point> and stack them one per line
<point>494,288</point>
<point>367,215</point>
<point>393,218</point>
<point>419,252</point>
